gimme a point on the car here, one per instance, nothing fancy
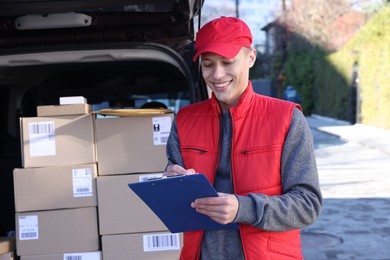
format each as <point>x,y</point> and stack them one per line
<point>117,54</point>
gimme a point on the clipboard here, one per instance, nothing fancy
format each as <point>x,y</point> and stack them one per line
<point>170,199</point>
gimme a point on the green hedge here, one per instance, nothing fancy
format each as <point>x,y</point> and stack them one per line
<point>300,73</point>
<point>332,86</point>
<point>373,45</point>
<point>325,80</point>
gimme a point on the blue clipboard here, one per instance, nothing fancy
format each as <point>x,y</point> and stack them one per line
<point>170,199</point>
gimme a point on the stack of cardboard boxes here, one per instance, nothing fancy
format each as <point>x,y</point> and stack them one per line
<point>132,149</point>
<point>72,198</point>
<point>55,191</point>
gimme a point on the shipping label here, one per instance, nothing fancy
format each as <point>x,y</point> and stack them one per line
<point>42,138</point>
<point>82,182</point>
<point>28,227</point>
<point>161,129</point>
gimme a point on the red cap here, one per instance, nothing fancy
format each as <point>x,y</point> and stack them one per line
<point>224,36</point>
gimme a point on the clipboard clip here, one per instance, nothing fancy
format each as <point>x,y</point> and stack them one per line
<point>164,177</point>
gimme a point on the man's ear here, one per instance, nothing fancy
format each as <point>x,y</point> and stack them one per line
<point>252,57</point>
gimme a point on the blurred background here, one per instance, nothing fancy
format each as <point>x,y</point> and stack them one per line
<point>334,52</point>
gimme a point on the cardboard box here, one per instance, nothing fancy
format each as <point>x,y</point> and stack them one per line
<point>7,256</point>
<point>53,141</point>
<point>121,210</point>
<point>7,244</point>
<point>55,187</point>
<point>61,110</point>
<point>68,256</point>
<point>57,231</point>
<point>132,144</point>
<point>145,246</point>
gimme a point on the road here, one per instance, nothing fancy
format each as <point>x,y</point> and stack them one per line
<point>355,221</point>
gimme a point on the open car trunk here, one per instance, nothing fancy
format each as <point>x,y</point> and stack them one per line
<point>127,53</point>
<point>116,76</point>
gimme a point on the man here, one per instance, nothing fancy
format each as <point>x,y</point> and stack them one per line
<point>257,151</point>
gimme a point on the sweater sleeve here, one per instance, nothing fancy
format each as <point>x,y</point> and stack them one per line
<point>173,146</point>
<point>301,201</point>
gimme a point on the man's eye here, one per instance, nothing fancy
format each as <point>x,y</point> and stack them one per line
<point>207,65</point>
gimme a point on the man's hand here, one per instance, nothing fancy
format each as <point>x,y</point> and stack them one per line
<point>175,169</point>
<point>222,209</point>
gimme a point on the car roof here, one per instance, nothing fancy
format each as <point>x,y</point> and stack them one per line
<point>163,21</point>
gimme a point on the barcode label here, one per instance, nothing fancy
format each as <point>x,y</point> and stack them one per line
<point>82,256</point>
<point>28,227</point>
<point>42,138</point>
<point>28,235</point>
<point>82,182</point>
<point>164,139</point>
<point>161,129</point>
<point>82,190</point>
<point>161,242</point>
<point>73,257</point>
<point>46,128</point>
<point>148,177</point>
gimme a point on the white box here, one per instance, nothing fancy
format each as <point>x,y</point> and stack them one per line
<point>73,100</point>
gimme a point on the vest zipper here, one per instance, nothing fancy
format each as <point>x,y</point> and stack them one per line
<point>219,145</point>
<point>219,113</point>
<point>231,152</point>
<point>231,178</point>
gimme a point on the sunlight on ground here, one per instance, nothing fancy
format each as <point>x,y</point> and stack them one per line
<point>350,171</point>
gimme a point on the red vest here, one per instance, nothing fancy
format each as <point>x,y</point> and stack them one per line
<point>260,126</point>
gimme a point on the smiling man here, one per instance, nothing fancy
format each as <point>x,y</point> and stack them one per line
<point>257,151</point>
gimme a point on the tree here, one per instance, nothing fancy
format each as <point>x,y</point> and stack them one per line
<point>310,30</point>
<point>318,23</point>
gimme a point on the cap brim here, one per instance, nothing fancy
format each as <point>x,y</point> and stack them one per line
<point>226,50</point>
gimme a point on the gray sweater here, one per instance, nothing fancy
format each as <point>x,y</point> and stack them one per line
<point>298,206</point>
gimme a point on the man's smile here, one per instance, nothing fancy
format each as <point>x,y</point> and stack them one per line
<point>222,85</point>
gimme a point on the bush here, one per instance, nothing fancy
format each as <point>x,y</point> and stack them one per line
<point>300,73</point>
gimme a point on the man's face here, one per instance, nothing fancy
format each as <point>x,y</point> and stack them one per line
<point>227,78</point>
